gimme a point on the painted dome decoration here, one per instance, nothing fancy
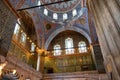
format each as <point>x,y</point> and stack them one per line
<point>61,12</point>
<point>61,7</point>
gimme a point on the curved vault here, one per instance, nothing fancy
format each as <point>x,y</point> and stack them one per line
<point>56,32</point>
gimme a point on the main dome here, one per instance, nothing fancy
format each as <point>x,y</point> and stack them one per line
<point>61,12</point>
<point>61,7</point>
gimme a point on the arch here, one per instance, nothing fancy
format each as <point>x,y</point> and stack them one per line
<point>28,20</point>
<point>73,28</point>
<point>39,27</point>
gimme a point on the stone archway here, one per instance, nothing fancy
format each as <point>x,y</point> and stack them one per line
<point>81,31</point>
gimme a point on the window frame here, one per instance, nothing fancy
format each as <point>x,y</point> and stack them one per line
<point>45,12</point>
<point>55,16</point>
<point>23,38</point>
<point>74,12</point>
<point>82,47</point>
<point>57,50</point>
<point>69,50</point>
<point>65,16</point>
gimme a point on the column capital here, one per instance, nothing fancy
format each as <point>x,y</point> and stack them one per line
<point>41,51</point>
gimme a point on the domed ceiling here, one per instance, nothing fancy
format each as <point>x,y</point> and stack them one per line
<point>61,12</point>
<point>61,7</point>
<point>73,15</point>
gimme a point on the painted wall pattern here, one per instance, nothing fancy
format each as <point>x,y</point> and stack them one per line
<point>39,20</point>
<point>61,7</point>
<point>7,23</point>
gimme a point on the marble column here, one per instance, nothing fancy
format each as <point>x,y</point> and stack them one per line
<point>106,15</point>
<point>38,63</point>
<point>40,60</point>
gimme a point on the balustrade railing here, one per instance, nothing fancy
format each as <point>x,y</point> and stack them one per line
<point>74,62</point>
<point>64,52</point>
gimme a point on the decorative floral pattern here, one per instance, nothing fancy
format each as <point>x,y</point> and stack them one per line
<point>61,7</point>
<point>7,23</point>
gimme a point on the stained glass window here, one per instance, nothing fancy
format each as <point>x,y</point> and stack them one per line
<point>32,47</point>
<point>17,28</point>
<point>65,16</point>
<point>74,12</point>
<point>55,16</point>
<point>46,12</point>
<point>23,38</point>
<point>82,47</point>
<point>57,50</point>
<point>39,3</point>
<point>69,46</point>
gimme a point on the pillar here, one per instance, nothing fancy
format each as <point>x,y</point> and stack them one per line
<point>106,15</point>
<point>98,58</point>
<point>40,60</point>
<point>38,63</point>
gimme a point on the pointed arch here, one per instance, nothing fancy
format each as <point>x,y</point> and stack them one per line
<point>74,28</point>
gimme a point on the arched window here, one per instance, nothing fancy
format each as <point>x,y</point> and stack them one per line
<point>55,16</point>
<point>46,12</point>
<point>74,12</point>
<point>65,16</point>
<point>57,50</point>
<point>32,47</point>
<point>23,38</point>
<point>39,3</point>
<point>16,30</point>
<point>69,46</point>
<point>82,47</point>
